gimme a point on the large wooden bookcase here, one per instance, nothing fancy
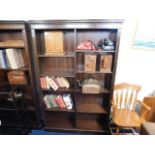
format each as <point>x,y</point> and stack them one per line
<point>90,112</point>
<point>23,114</point>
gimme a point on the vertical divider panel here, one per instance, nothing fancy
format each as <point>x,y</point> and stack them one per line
<point>75,96</point>
<point>36,71</point>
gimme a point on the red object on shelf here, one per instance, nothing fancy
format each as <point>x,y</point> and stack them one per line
<point>87,45</point>
<point>59,100</point>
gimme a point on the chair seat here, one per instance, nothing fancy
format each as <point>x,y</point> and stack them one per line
<point>126,118</point>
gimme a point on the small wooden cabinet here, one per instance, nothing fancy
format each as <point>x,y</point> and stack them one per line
<point>90,112</point>
<point>53,42</point>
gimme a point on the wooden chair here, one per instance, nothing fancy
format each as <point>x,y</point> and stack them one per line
<point>123,107</point>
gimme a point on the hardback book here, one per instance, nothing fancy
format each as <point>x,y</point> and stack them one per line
<point>52,101</point>
<point>52,84</point>
<point>59,100</point>
<point>56,81</point>
<point>47,86</point>
<point>3,60</point>
<point>46,101</point>
<point>44,83</point>
<point>106,63</point>
<point>60,82</point>
<point>90,63</point>
<point>15,58</point>
<point>68,101</point>
<point>65,82</point>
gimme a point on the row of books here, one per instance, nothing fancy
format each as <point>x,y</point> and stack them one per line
<point>11,58</point>
<point>54,82</point>
<point>58,101</point>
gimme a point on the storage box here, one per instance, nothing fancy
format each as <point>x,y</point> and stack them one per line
<point>90,63</point>
<point>54,42</point>
<point>106,63</point>
<point>91,86</point>
<point>17,77</point>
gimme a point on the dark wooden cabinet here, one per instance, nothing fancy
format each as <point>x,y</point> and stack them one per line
<point>21,113</point>
<point>90,112</point>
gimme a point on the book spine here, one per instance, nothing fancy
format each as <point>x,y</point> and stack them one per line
<point>52,84</point>
<point>46,101</point>
<point>10,58</point>
<point>5,59</point>
<point>2,60</point>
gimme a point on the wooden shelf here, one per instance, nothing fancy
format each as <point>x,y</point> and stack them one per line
<point>59,109</point>
<point>30,108</point>
<point>59,73</point>
<point>67,55</point>
<point>19,69</point>
<point>88,124</point>
<point>96,72</point>
<point>103,90</point>
<point>59,124</point>
<point>94,51</point>
<point>11,46</point>
<point>12,124</point>
<point>69,90</point>
<point>90,108</point>
<point>8,109</point>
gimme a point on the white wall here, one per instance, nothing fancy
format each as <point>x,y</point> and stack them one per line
<point>135,66</point>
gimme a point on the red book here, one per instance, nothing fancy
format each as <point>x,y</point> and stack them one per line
<point>41,83</point>
<point>59,100</point>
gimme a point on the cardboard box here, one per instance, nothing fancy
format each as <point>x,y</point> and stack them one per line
<point>90,63</point>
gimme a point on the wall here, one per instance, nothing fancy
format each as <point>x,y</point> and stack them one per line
<point>135,66</point>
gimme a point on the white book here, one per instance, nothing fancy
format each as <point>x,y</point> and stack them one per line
<point>2,61</point>
<point>52,84</point>
<point>46,101</point>
<point>60,82</point>
<point>15,58</point>
<point>68,101</point>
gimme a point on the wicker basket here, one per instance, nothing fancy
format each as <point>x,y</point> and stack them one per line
<point>17,77</point>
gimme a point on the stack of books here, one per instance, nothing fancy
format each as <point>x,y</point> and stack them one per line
<point>54,82</point>
<point>58,101</point>
<point>11,59</point>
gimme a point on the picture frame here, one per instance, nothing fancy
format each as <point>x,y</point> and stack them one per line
<point>144,38</point>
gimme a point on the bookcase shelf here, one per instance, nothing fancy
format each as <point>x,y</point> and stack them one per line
<point>103,90</point>
<point>96,72</point>
<point>13,36</point>
<point>59,73</point>
<point>11,46</point>
<point>66,55</point>
<point>60,110</point>
<point>90,108</point>
<point>90,112</point>
<point>61,90</point>
<point>19,69</point>
<point>94,51</point>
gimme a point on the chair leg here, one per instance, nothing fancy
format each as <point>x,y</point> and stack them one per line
<point>117,130</point>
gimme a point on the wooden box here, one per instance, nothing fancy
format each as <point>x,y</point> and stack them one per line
<point>90,63</point>
<point>106,63</point>
<point>54,42</point>
<point>17,77</point>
